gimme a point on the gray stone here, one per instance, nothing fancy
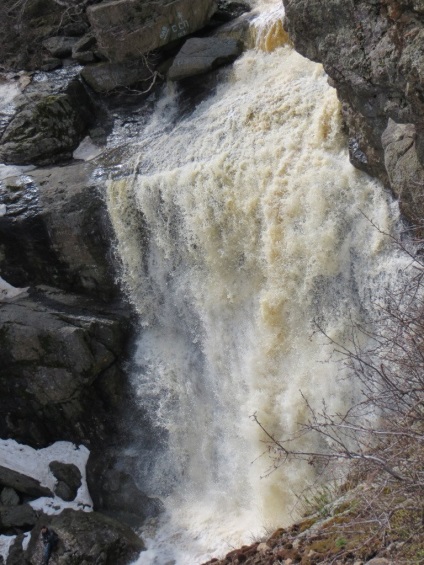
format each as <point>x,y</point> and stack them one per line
<point>39,247</point>
<point>105,77</point>
<point>201,55</point>
<point>59,372</point>
<point>403,166</point>
<point>51,64</point>
<point>374,55</point>
<point>22,517</point>
<point>47,127</point>
<point>22,483</point>
<point>83,537</point>
<point>238,29</point>
<point>126,29</point>
<point>60,47</point>
<point>9,497</point>
<point>68,477</point>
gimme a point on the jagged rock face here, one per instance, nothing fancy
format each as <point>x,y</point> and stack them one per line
<point>373,50</point>
<point>126,29</point>
<point>84,537</point>
<point>59,371</point>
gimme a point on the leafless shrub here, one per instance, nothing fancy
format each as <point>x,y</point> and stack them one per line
<point>382,434</point>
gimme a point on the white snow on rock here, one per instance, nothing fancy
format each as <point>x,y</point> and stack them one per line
<point>87,150</point>
<point>7,171</point>
<point>35,463</point>
<point>7,291</point>
<point>5,544</point>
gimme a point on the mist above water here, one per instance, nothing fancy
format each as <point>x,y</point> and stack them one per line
<point>239,226</point>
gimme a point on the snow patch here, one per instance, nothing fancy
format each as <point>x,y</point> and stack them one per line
<point>7,291</point>
<point>6,543</point>
<point>7,171</point>
<point>87,150</point>
<point>35,463</point>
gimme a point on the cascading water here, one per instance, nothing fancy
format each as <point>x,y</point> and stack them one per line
<point>239,225</point>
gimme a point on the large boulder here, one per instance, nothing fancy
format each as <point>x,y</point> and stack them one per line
<point>68,478</point>
<point>13,518</point>
<point>47,127</point>
<point>39,247</point>
<point>59,369</point>
<point>83,537</point>
<point>127,29</point>
<point>374,53</point>
<point>201,55</point>
<point>105,77</point>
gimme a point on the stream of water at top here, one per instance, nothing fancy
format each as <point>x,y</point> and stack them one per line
<point>238,225</point>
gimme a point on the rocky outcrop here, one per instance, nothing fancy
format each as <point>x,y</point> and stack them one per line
<point>201,55</point>
<point>84,537</point>
<point>127,29</point>
<point>59,371</point>
<point>39,247</point>
<point>373,52</point>
<point>48,125</point>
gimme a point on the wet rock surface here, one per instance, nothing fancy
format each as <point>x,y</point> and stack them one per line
<point>39,247</point>
<point>201,55</point>
<point>373,52</point>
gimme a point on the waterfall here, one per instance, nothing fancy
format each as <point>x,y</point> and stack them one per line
<point>238,225</point>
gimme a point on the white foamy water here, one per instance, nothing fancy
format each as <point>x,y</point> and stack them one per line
<point>238,227</point>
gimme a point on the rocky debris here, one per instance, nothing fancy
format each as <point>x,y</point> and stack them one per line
<point>38,247</point>
<point>373,52</point>
<point>83,537</point>
<point>127,29</point>
<point>21,483</point>
<point>59,371</point>
<point>201,55</point>
<point>68,479</point>
<point>106,77</point>
<point>60,46</point>
<point>23,29</point>
<point>48,125</point>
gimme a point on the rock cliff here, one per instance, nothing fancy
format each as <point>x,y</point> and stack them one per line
<point>373,52</point>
